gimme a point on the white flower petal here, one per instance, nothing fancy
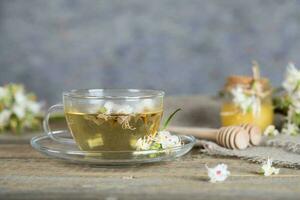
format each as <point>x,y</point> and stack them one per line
<point>33,107</point>
<point>292,78</point>
<point>167,140</point>
<point>125,109</point>
<point>143,144</point>
<point>20,97</point>
<point>276,170</point>
<point>290,129</point>
<point>4,117</point>
<point>271,131</point>
<point>109,106</point>
<point>146,104</point>
<point>3,92</point>
<point>245,102</point>
<point>19,110</point>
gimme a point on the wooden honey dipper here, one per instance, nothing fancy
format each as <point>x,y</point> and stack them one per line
<point>232,137</point>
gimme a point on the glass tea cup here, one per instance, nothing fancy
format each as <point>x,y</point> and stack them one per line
<point>108,119</point>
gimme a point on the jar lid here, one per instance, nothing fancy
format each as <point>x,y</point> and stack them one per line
<point>246,82</point>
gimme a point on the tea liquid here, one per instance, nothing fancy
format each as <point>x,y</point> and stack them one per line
<point>98,132</point>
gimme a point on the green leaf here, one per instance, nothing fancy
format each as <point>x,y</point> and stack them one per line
<point>169,119</point>
<point>296,119</point>
<point>156,146</point>
<point>281,104</point>
<point>102,110</point>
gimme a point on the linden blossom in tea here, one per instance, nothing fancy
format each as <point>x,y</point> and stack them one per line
<point>113,127</point>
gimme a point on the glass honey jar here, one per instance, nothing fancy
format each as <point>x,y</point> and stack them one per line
<point>247,100</point>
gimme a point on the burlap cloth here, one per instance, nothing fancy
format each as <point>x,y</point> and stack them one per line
<point>283,149</point>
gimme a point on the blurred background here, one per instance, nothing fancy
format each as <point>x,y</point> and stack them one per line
<point>183,47</point>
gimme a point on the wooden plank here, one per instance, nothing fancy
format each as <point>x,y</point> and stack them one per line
<point>26,174</point>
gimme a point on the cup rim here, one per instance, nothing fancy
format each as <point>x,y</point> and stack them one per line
<point>140,93</point>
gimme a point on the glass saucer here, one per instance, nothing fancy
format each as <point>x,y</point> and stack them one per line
<point>71,153</point>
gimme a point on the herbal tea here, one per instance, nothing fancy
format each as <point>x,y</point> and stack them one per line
<point>111,132</point>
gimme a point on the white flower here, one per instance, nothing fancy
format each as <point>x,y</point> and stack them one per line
<point>292,80</point>
<point>3,92</point>
<point>109,106</point>
<point>245,102</point>
<point>20,98</point>
<point>238,95</point>
<point>4,117</point>
<point>267,168</point>
<point>143,144</point>
<point>256,104</point>
<point>290,129</point>
<point>23,103</point>
<point>271,131</point>
<point>295,100</point>
<point>146,104</point>
<point>33,107</point>
<point>167,140</point>
<point>218,173</point>
<point>19,110</point>
<point>125,109</point>
<point>163,139</point>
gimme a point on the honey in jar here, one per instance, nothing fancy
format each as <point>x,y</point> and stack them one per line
<point>247,100</point>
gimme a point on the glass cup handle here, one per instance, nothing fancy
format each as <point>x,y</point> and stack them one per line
<point>47,129</point>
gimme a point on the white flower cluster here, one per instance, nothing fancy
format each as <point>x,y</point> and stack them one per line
<point>290,129</point>
<point>218,174</point>
<point>167,140</point>
<point>163,139</point>
<point>267,169</point>
<point>111,107</point>
<point>292,86</point>
<point>271,131</point>
<point>292,80</point>
<point>246,102</point>
<point>15,103</point>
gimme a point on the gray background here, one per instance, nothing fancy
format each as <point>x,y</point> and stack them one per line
<point>181,46</point>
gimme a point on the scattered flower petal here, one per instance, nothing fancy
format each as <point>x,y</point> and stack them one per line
<point>267,168</point>
<point>218,174</point>
<point>128,177</point>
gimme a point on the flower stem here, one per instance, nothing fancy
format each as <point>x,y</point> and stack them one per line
<point>169,119</point>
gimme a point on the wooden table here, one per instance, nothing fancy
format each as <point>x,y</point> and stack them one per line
<point>26,174</point>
